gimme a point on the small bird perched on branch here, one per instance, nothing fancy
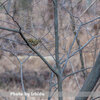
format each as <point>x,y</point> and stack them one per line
<point>34,42</point>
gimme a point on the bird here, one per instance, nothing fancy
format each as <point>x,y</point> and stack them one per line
<point>34,42</point>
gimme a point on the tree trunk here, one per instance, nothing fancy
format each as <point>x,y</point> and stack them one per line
<point>91,80</point>
<point>60,94</point>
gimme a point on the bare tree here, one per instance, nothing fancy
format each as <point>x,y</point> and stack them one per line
<point>50,41</point>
